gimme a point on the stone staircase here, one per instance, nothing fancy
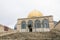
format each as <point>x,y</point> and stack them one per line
<point>31,36</point>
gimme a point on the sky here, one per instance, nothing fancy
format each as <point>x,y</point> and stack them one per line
<point>11,10</point>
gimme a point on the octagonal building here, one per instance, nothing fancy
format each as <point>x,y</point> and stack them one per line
<point>35,22</point>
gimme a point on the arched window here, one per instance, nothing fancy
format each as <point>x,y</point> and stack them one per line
<point>45,23</point>
<point>23,25</point>
<point>30,22</point>
<point>37,24</point>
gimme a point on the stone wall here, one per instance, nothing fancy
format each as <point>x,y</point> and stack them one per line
<point>5,28</point>
<point>30,36</point>
<point>49,18</point>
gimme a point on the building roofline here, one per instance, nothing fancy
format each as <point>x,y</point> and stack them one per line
<point>34,17</point>
<point>1,25</point>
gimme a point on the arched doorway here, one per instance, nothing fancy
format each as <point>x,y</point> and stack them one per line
<point>30,24</point>
<point>30,28</point>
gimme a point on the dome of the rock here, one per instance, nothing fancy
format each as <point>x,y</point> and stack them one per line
<point>35,13</point>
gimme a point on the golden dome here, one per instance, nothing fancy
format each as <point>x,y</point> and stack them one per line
<point>35,13</point>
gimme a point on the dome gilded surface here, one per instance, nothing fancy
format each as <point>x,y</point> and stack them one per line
<point>35,13</point>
